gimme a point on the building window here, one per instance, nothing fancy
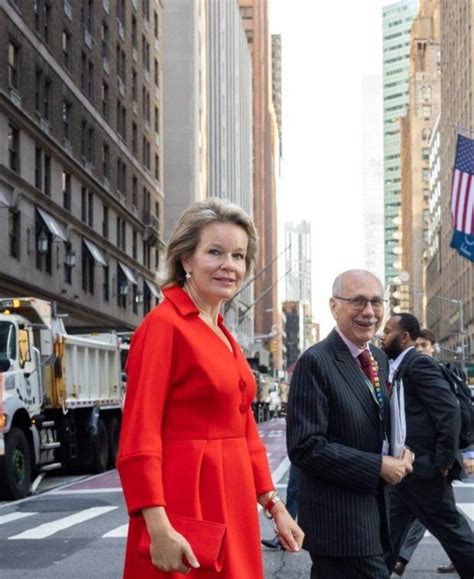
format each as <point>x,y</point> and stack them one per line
<point>43,258</point>
<point>157,120</point>
<point>47,98</point>
<point>105,285</point>
<point>105,39</point>
<point>87,12</point>
<point>67,107</point>
<point>121,63</point>
<point>87,142</point>
<point>146,298</point>
<point>42,12</point>
<point>146,255</point>
<point>106,161</point>
<point>66,191</point>
<point>146,153</point>
<point>88,264</point>
<point>134,191</point>
<point>83,204</point>
<point>67,267</point>
<point>134,244</point>
<point>105,100</point>
<point>105,221</point>
<point>14,233</point>
<point>90,209</point>
<point>13,66</point>
<point>121,12</point>
<point>134,86</point>
<point>134,32</point>
<point>146,104</point>
<point>146,10</point>
<point>47,175</point>
<point>122,288</point>
<point>38,167</point>
<point>67,49</point>
<point>87,76</point>
<point>157,73</point>
<point>146,54</point>
<point>156,25</point>
<point>134,139</point>
<point>121,177</point>
<point>38,84</point>
<point>13,148</point>
<point>121,120</point>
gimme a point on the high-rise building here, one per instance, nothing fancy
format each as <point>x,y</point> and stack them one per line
<point>265,155</point>
<point>208,121</point>
<point>80,157</point>
<point>185,96</point>
<point>416,130</point>
<point>397,22</point>
<point>449,276</point>
<point>276,84</point>
<point>298,261</point>
<point>372,159</point>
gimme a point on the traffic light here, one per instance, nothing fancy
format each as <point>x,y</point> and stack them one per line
<point>273,346</point>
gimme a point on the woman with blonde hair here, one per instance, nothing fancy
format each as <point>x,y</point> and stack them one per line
<point>191,462</point>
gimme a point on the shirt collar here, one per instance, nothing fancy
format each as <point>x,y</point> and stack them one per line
<point>395,364</point>
<point>354,349</point>
<point>182,302</point>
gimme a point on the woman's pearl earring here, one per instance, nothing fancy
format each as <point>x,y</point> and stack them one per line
<point>188,275</point>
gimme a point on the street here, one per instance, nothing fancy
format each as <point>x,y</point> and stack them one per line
<point>78,529</point>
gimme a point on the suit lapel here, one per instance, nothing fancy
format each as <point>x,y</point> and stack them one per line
<point>353,376</point>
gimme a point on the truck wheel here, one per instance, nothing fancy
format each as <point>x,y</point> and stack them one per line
<point>100,450</point>
<point>113,433</point>
<point>15,466</point>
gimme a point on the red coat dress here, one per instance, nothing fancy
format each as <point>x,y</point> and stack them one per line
<point>189,441</point>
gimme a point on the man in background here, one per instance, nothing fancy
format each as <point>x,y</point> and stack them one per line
<point>433,423</point>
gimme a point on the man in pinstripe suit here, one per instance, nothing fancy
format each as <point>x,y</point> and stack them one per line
<point>337,429</point>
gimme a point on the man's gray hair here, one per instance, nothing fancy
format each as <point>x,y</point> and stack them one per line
<point>338,282</point>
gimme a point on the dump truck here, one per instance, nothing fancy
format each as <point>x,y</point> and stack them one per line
<point>61,397</point>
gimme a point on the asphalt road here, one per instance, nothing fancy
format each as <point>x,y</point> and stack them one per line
<point>76,528</point>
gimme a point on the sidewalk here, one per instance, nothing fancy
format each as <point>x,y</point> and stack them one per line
<point>282,565</point>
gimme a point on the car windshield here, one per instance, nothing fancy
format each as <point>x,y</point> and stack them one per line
<point>7,341</point>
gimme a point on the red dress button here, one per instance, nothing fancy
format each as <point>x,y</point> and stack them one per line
<point>243,408</point>
<point>242,385</point>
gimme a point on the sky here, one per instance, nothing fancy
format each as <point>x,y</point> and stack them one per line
<point>327,48</point>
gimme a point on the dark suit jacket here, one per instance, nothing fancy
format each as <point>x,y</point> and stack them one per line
<point>335,436</point>
<point>432,415</point>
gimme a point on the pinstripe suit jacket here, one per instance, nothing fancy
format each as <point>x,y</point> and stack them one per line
<point>335,435</point>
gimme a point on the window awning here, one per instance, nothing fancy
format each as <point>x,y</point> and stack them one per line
<point>128,273</point>
<point>95,252</point>
<point>52,225</point>
<point>154,290</point>
<point>4,200</point>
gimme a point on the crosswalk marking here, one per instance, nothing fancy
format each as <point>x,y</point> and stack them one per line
<point>119,532</point>
<point>14,517</point>
<point>467,508</point>
<point>48,529</point>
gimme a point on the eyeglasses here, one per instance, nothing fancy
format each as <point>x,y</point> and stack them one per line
<point>359,303</point>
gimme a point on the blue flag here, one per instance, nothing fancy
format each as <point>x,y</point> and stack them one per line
<point>463,243</point>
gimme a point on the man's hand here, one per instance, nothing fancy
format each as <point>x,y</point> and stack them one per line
<point>394,470</point>
<point>469,465</point>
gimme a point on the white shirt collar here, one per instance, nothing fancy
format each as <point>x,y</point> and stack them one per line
<point>395,364</point>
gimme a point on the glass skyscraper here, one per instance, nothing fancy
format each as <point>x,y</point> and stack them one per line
<point>397,22</point>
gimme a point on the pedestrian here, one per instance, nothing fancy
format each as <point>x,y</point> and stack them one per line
<point>338,435</point>
<point>291,504</point>
<point>191,462</point>
<point>424,344</point>
<point>433,425</point>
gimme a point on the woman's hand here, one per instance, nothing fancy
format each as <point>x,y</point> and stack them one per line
<point>290,533</point>
<point>168,548</point>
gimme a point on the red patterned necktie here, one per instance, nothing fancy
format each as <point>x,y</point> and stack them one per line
<point>365,360</point>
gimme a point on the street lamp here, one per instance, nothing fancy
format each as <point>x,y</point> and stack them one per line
<point>42,243</point>
<point>70,260</point>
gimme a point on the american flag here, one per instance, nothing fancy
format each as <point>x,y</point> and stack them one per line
<point>462,190</point>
